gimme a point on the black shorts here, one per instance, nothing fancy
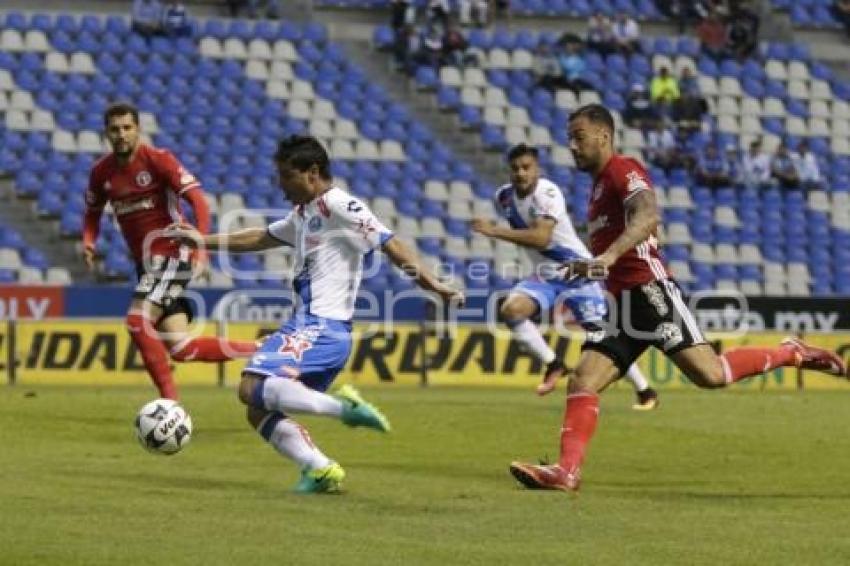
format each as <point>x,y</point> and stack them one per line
<point>163,281</point>
<point>653,314</point>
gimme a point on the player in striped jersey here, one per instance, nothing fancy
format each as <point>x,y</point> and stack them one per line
<point>536,212</point>
<point>145,186</point>
<point>623,219</point>
<point>331,231</point>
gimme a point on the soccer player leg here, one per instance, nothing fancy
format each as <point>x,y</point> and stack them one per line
<point>527,298</point>
<point>292,441</point>
<point>292,369</point>
<point>589,306</point>
<point>145,311</point>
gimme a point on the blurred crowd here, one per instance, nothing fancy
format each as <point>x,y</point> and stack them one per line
<point>433,34</point>
<point>153,17</point>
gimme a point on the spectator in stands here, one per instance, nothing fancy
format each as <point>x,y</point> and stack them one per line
<point>688,84</point>
<point>712,169</point>
<point>598,36</point>
<point>475,12</point>
<point>255,8</point>
<point>807,167</point>
<point>664,91</point>
<point>455,48</point>
<point>431,47</point>
<point>755,167</point>
<point>438,14</point>
<point>783,169</point>
<point>547,70</point>
<point>175,19</point>
<point>841,9</point>
<point>734,160</point>
<point>573,68</point>
<point>742,32</point>
<point>406,48</point>
<point>661,148</point>
<point>147,17</point>
<point>639,112</point>
<point>626,34</point>
<point>689,108</point>
<point>712,36</point>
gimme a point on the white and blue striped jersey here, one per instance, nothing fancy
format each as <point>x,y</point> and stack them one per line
<point>330,234</point>
<point>545,201</point>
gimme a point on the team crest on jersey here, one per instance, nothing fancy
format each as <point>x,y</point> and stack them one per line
<point>315,224</point>
<point>635,182</point>
<point>107,186</point>
<point>143,179</point>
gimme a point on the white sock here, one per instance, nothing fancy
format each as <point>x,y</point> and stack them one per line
<point>290,396</point>
<point>528,334</point>
<point>292,441</point>
<point>636,376</point>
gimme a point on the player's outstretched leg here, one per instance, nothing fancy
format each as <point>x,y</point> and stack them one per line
<point>357,411</point>
<point>291,440</point>
<point>647,397</point>
<point>708,370</point>
<point>211,349</point>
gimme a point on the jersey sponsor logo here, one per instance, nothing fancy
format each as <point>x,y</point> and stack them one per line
<point>121,208</point>
<point>315,224</point>
<point>670,334</point>
<point>635,182</point>
<point>655,296</point>
<point>597,223</point>
<point>143,179</point>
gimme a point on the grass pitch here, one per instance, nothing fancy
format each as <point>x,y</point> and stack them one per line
<point>709,478</point>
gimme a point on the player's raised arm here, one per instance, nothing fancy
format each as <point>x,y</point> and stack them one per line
<point>406,259</point>
<point>537,236</point>
<point>247,240</point>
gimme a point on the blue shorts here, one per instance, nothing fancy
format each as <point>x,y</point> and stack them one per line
<point>309,348</point>
<point>586,299</point>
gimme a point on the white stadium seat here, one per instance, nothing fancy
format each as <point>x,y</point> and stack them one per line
<point>346,129</point>
<point>473,76</point>
<point>450,76</point>
<point>56,62</point>
<point>776,70</point>
<point>259,49</point>
<point>82,63</point>
<point>391,150</point>
<point>281,70</point>
<point>257,70</point>
<point>495,96</point>
<point>284,51</point>
<point>210,47</point>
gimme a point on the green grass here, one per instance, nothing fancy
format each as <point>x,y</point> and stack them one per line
<point>710,478</point>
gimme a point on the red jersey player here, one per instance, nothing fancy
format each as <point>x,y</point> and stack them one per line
<point>144,185</point>
<point>649,310</point>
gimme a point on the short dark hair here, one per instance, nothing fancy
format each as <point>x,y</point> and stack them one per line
<point>120,109</point>
<point>594,113</point>
<point>302,152</point>
<point>523,149</point>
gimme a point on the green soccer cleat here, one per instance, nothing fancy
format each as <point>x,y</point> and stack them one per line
<point>321,480</point>
<point>358,412</point>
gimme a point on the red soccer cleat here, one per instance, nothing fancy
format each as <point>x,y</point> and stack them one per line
<point>554,371</point>
<point>810,357</point>
<point>545,476</point>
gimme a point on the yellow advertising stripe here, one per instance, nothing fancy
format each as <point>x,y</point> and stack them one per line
<point>101,352</point>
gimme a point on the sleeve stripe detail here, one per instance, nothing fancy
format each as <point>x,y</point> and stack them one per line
<point>269,232</point>
<point>194,185</point>
<point>386,237</point>
<point>633,193</point>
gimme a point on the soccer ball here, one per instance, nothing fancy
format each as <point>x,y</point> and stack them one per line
<point>163,426</point>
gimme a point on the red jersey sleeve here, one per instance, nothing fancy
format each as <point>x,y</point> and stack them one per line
<point>176,176</point>
<point>95,201</point>
<point>630,178</point>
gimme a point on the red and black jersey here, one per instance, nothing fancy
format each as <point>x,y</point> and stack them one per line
<point>144,194</point>
<point>621,179</point>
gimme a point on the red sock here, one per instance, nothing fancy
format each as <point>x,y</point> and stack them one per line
<point>579,424</point>
<point>153,352</point>
<point>212,349</point>
<point>751,360</point>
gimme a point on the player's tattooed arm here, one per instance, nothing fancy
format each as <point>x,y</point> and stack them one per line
<point>537,236</point>
<point>642,218</point>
